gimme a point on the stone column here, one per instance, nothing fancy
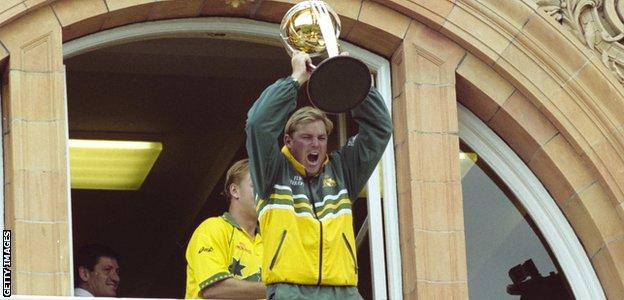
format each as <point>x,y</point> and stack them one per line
<point>428,177</point>
<point>35,156</point>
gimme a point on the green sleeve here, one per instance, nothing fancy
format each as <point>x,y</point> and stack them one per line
<point>265,122</point>
<point>360,155</point>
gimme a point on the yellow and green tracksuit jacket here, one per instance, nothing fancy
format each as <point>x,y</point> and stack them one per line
<point>306,220</point>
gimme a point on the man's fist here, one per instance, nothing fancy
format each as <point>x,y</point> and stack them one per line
<point>300,70</point>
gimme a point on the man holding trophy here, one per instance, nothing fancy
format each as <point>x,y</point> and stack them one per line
<point>304,195</point>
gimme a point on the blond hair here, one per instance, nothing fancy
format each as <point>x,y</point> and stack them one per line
<point>305,115</point>
<point>235,174</point>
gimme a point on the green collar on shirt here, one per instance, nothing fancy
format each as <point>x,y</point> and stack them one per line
<point>230,219</point>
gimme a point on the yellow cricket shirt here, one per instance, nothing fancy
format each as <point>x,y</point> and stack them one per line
<point>220,249</point>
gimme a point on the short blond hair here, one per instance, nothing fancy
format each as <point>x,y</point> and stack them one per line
<point>305,115</point>
<point>235,174</point>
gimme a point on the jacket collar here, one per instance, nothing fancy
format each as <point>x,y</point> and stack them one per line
<point>297,165</point>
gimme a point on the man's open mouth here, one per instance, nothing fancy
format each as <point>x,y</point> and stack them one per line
<point>313,157</point>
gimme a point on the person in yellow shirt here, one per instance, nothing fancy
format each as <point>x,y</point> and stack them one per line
<point>224,254</point>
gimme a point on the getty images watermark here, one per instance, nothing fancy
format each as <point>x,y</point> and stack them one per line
<point>6,263</point>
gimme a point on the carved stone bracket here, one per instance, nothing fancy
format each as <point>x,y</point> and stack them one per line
<point>597,23</point>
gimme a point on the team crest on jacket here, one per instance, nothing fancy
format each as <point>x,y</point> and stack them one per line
<point>329,182</point>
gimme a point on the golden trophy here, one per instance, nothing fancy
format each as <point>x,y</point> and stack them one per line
<point>339,82</point>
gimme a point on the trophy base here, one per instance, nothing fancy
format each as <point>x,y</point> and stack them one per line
<point>339,84</point>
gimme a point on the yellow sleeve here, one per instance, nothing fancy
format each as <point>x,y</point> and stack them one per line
<point>208,252</point>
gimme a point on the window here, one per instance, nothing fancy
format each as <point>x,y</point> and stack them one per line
<point>503,244</point>
<point>190,93</point>
<point>502,185</point>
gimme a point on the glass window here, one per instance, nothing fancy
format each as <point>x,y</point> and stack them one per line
<point>506,253</point>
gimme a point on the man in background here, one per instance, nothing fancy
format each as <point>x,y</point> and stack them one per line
<point>224,254</point>
<point>96,272</point>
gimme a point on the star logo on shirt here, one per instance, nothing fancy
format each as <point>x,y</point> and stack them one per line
<point>236,267</point>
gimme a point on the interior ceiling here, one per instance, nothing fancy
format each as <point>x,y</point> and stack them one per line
<point>195,57</point>
<point>190,94</point>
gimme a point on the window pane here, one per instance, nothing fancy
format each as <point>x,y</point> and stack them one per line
<point>501,236</point>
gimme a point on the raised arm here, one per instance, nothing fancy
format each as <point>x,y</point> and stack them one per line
<point>266,120</point>
<point>364,150</point>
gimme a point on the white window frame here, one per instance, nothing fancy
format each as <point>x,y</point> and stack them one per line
<point>385,260</point>
<point>535,198</point>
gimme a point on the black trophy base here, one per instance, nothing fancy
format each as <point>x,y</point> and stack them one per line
<point>339,84</point>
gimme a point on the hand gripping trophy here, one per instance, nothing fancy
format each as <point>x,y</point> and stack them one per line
<point>338,83</point>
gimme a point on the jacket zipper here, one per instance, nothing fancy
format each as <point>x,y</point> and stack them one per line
<point>344,237</point>
<point>279,246</point>
<point>321,232</point>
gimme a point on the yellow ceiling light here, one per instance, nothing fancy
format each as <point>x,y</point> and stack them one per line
<point>111,165</point>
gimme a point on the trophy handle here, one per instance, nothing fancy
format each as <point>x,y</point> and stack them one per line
<point>289,49</point>
<point>319,9</point>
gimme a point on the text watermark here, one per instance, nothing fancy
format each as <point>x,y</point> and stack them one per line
<point>6,263</point>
